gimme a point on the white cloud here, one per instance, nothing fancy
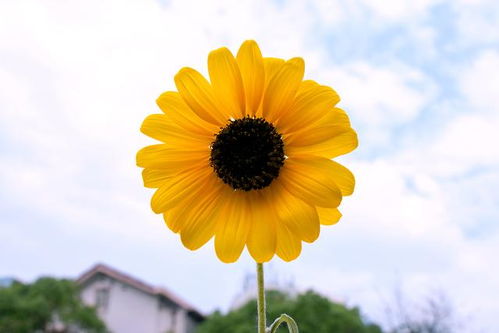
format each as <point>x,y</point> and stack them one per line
<point>479,81</point>
<point>377,10</point>
<point>477,21</point>
<point>467,143</point>
<point>381,98</point>
<point>400,10</point>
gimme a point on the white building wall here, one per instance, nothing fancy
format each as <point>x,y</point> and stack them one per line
<point>180,316</point>
<point>190,325</point>
<point>130,310</point>
<point>166,319</point>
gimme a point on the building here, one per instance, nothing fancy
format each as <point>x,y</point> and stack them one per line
<point>128,305</point>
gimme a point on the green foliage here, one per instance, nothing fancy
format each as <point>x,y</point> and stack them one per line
<point>312,312</point>
<point>32,307</point>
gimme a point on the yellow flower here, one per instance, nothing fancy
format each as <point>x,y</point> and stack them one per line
<point>246,157</point>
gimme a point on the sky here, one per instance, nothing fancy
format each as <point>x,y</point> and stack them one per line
<point>419,79</point>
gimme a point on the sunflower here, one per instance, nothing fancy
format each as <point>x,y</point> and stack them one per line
<point>246,157</point>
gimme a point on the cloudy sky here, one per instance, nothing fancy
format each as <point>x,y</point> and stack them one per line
<point>420,80</point>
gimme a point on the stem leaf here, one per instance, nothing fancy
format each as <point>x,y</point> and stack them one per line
<point>284,318</point>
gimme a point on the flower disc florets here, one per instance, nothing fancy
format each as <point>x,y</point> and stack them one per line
<point>247,154</point>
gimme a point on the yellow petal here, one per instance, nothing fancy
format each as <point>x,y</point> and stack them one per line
<point>170,223</point>
<point>177,189</point>
<point>262,236</point>
<point>309,180</point>
<point>300,217</point>
<point>201,216</point>
<point>288,245</point>
<point>233,229</point>
<point>311,104</point>
<point>177,111</point>
<point>198,94</point>
<point>336,117</point>
<point>159,127</point>
<point>227,82</point>
<point>154,178</point>
<point>331,170</point>
<point>271,67</point>
<point>328,216</point>
<point>171,160</point>
<point>250,61</point>
<point>200,229</point>
<point>194,208</point>
<point>327,141</point>
<point>318,135</point>
<point>282,88</point>
<point>341,176</point>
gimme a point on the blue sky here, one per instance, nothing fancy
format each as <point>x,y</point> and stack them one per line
<point>420,80</point>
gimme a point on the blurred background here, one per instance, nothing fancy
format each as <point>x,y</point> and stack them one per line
<point>420,80</point>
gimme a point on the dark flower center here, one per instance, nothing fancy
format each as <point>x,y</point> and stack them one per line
<point>247,154</point>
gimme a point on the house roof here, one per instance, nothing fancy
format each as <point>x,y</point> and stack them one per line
<point>138,284</point>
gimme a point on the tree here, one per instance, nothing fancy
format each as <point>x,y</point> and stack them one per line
<point>313,313</point>
<point>37,307</point>
<point>433,315</point>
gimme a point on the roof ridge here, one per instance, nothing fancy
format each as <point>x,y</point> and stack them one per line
<point>137,283</point>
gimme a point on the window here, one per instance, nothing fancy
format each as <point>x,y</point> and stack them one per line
<point>102,298</point>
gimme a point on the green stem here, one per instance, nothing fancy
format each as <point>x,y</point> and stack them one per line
<point>262,321</point>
